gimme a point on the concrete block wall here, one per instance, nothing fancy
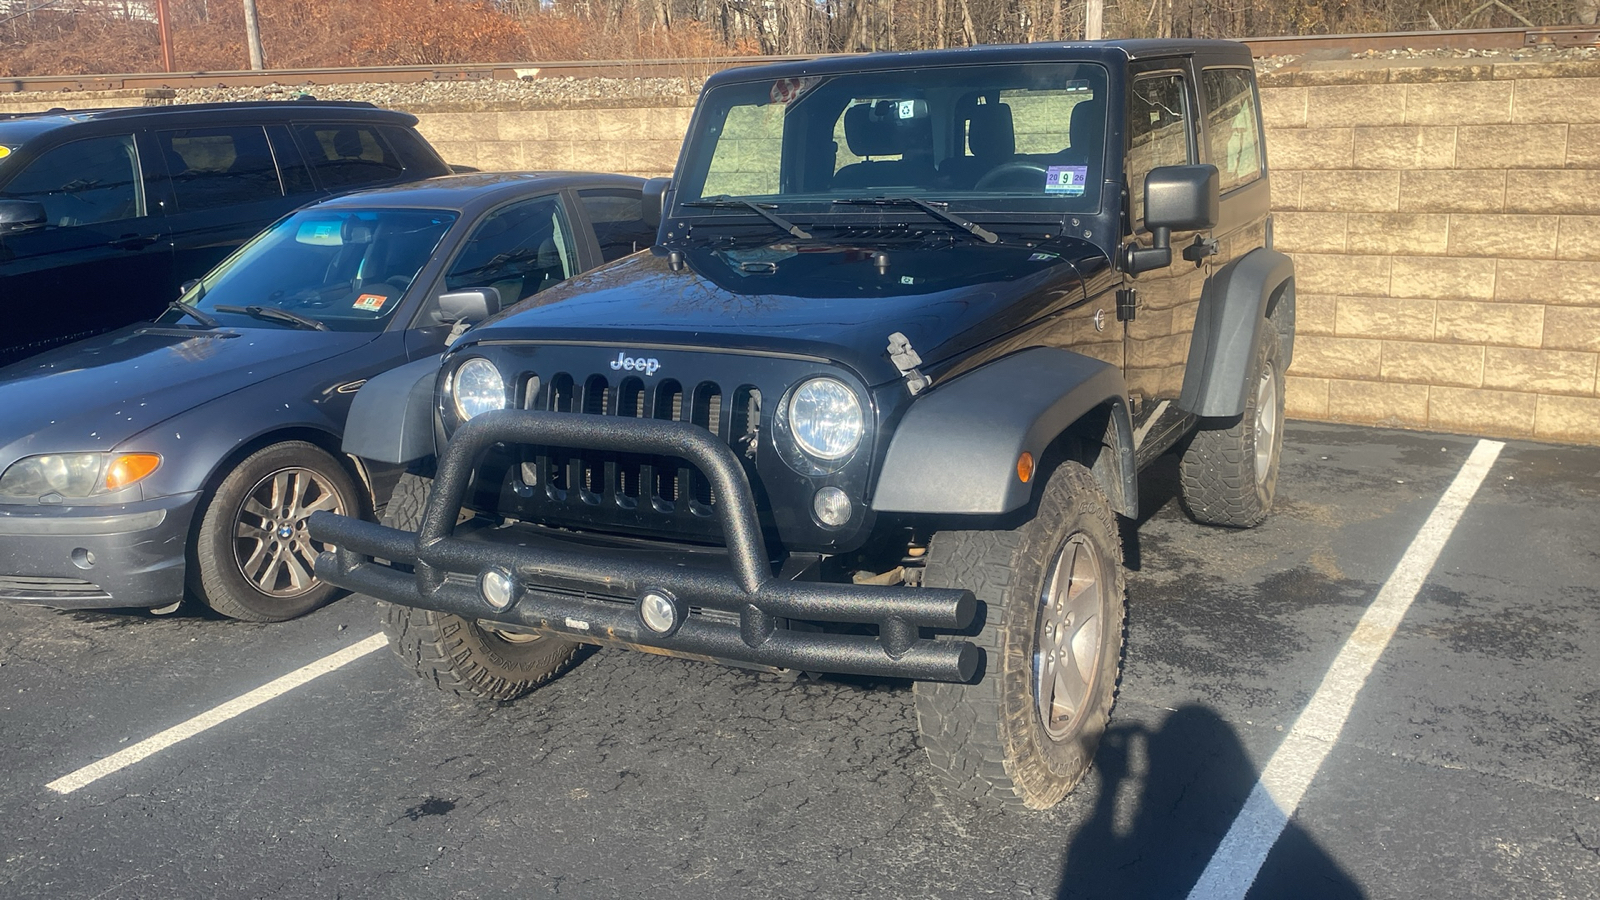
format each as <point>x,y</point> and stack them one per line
<point>1445,225</point>
<point>634,139</point>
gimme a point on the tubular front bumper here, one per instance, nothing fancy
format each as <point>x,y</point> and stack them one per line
<point>591,593</point>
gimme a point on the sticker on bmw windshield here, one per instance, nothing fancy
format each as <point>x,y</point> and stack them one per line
<point>1068,180</point>
<point>372,302</point>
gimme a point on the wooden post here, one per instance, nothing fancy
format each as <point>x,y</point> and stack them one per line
<point>252,35</point>
<point>1094,14</point>
<point>166,35</point>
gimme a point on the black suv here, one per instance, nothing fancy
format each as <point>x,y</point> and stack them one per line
<point>873,403</point>
<point>104,214</point>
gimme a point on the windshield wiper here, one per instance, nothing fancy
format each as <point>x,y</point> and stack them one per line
<point>274,314</point>
<point>762,209</point>
<point>938,210</point>
<point>193,313</point>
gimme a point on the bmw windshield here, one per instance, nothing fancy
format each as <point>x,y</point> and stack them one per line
<point>342,269</point>
<point>1022,138</point>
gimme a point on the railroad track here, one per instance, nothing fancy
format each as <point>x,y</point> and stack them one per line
<point>1475,39</point>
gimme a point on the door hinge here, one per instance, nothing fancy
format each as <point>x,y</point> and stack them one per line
<point>1127,304</point>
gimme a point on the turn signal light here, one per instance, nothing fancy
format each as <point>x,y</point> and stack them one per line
<point>1025,466</point>
<point>129,468</point>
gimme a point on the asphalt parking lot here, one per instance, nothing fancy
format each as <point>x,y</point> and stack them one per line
<point>1468,763</point>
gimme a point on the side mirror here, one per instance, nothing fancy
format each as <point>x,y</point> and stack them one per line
<point>473,305</point>
<point>21,215</point>
<point>654,202</point>
<point>187,286</point>
<point>1176,198</point>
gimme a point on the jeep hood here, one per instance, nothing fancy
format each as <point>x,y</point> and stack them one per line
<point>838,301</point>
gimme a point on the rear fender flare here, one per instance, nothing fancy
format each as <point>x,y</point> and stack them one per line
<point>956,449</point>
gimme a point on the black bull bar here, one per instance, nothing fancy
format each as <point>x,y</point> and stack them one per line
<point>590,593</point>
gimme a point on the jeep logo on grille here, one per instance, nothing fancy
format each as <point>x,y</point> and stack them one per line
<point>627,363</point>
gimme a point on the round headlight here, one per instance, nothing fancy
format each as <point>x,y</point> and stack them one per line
<point>478,388</point>
<point>825,418</point>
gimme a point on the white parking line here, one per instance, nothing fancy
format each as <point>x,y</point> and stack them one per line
<point>215,716</point>
<point>1233,868</point>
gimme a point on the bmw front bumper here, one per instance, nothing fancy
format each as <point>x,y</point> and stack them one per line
<point>95,557</point>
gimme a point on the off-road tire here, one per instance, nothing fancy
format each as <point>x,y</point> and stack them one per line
<point>1224,480</point>
<point>217,575</point>
<point>456,654</point>
<point>987,740</point>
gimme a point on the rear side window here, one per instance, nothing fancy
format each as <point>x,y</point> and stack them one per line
<point>1232,127</point>
<point>618,218</point>
<point>84,182</point>
<point>416,157</point>
<point>219,167</point>
<point>346,155</point>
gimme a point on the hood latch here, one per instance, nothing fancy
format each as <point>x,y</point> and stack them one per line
<point>906,360</point>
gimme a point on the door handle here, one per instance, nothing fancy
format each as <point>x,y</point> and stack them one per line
<point>135,241</point>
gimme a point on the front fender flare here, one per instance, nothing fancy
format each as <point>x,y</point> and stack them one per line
<point>391,417</point>
<point>956,449</point>
<point>1233,311</point>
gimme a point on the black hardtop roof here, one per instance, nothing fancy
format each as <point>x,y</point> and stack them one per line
<point>471,190</point>
<point>1107,52</point>
<point>17,127</point>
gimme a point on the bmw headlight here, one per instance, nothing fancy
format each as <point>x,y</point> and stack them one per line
<point>75,475</point>
<point>825,419</point>
<point>477,388</point>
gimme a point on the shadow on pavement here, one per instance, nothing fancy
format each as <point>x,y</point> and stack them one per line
<point>1167,797</point>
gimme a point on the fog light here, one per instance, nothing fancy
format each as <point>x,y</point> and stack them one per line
<point>832,507</point>
<point>660,612</point>
<point>499,589</point>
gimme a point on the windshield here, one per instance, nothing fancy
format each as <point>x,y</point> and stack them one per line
<point>347,268</point>
<point>1022,138</point>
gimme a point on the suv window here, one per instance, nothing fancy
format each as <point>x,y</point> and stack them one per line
<point>1232,128</point>
<point>216,167</point>
<point>618,219</point>
<point>1159,124</point>
<point>84,182</point>
<point>346,155</point>
<point>519,250</point>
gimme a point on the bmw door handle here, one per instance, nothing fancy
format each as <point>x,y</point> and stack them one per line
<point>135,241</point>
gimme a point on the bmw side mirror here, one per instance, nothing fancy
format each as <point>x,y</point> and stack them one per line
<point>473,305</point>
<point>21,215</point>
<point>1176,198</point>
<point>655,200</point>
<point>187,286</point>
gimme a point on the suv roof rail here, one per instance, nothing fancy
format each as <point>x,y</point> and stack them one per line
<point>296,103</point>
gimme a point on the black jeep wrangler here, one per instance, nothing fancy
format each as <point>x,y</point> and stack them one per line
<point>913,324</point>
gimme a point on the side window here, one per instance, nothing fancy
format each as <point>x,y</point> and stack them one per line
<point>84,182</point>
<point>1232,128</point>
<point>218,167</point>
<point>618,218</point>
<point>415,157</point>
<point>291,166</point>
<point>519,250</point>
<point>345,155</point>
<point>1159,126</point>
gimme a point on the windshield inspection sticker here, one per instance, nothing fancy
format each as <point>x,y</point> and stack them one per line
<point>373,302</point>
<point>1067,180</point>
